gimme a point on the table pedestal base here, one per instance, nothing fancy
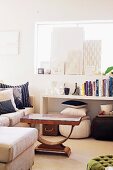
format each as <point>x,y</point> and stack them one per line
<point>59,149</point>
<point>54,147</point>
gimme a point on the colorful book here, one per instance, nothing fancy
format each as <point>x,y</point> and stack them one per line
<point>97,87</point>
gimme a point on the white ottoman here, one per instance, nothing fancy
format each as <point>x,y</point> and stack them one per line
<point>17,148</point>
<point>80,131</point>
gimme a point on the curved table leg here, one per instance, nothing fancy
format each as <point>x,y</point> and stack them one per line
<point>54,147</point>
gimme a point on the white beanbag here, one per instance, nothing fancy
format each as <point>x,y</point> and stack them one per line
<point>80,131</point>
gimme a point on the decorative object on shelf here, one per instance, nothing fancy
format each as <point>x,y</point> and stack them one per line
<point>77,90</point>
<point>54,90</point>
<point>109,70</point>
<point>46,66</point>
<point>61,90</point>
<point>66,90</point>
<point>107,108</point>
<point>40,70</point>
<point>47,71</point>
<point>57,67</point>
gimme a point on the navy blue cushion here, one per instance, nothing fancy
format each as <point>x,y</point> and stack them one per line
<point>6,107</point>
<point>24,92</point>
<point>74,103</point>
<point>17,96</point>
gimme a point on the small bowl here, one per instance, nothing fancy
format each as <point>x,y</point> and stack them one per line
<point>106,108</point>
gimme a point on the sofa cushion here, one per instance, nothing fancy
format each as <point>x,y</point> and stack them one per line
<point>7,95</point>
<point>6,107</point>
<point>4,121</point>
<point>15,140</point>
<point>24,91</point>
<point>14,117</point>
<point>17,96</point>
<point>74,103</point>
<point>28,110</point>
<point>73,111</point>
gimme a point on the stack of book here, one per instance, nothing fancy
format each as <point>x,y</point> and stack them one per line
<point>110,86</point>
<point>103,87</point>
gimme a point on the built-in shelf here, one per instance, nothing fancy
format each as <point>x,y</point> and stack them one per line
<point>78,97</point>
<point>45,98</point>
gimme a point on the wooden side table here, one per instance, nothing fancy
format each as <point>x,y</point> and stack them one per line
<point>52,119</point>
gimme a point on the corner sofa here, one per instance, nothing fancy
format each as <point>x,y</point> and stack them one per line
<point>17,147</point>
<point>16,139</point>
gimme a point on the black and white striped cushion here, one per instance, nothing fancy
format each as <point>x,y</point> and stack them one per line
<point>24,91</point>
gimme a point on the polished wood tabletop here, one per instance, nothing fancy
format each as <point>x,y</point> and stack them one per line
<point>59,119</point>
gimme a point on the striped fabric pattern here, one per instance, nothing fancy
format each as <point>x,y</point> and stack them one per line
<point>24,91</point>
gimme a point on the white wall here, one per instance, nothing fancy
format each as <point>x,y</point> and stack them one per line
<point>21,15</point>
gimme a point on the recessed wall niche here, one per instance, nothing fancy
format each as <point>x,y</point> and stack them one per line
<point>59,49</point>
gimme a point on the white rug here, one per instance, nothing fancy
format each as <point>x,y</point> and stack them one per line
<point>82,150</point>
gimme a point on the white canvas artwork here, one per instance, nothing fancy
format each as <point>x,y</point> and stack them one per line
<point>92,57</point>
<point>74,63</point>
<point>57,67</point>
<point>67,48</point>
<point>9,42</point>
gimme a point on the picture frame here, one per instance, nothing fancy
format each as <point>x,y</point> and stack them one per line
<point>40,70</point>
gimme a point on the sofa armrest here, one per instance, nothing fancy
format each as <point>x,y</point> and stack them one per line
<point>31,99</point>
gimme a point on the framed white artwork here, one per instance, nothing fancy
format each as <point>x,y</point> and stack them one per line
<point>9,42</point>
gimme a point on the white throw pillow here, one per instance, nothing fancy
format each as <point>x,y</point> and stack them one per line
<point>8,95</point>
<point>73,111</point>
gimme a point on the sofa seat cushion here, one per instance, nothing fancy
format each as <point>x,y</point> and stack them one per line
<point>14,117</point>
<point>15,140</point>
<point>28,110</point>
<point>4,121</point>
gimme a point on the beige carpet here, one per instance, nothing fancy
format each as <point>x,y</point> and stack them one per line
<point>82,150</point>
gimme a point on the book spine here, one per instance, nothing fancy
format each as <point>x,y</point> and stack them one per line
<point>86,88</point>
<point>83,90</point>
<point>94,88</point>
<point>107,88</point>
<point>104,87</point>
<point>97,87</point>
<point>110,86</point>
<point>100,88</point>
<point>90,88</point>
